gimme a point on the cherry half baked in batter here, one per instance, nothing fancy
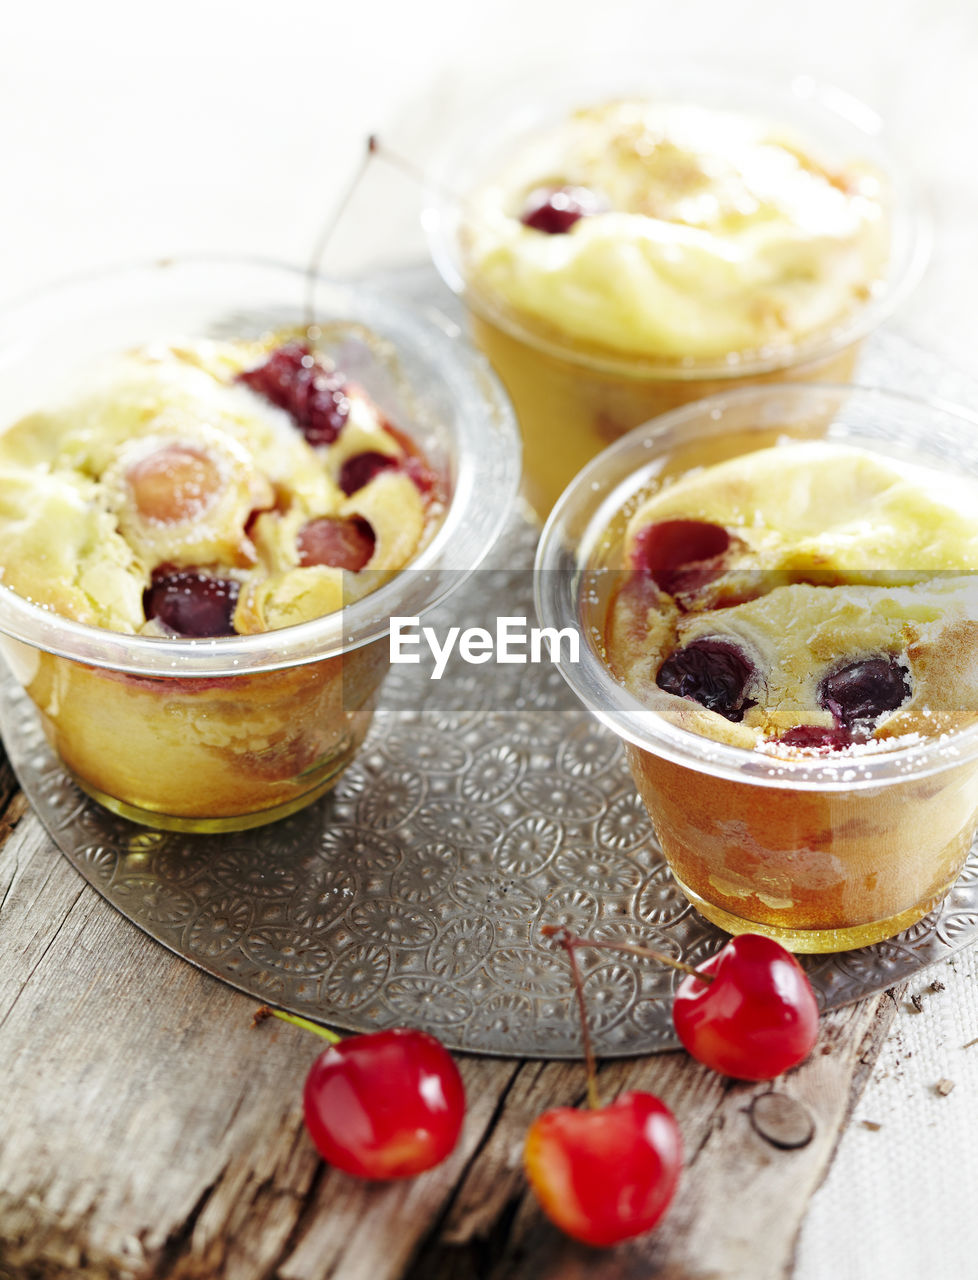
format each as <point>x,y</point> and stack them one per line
<point>177,482</point>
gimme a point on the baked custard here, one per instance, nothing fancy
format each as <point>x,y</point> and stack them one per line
<point>810,602</point>
<point>678,232</point>
<point>803,599</point>
<point>207,489</point>
<point>194,491</point>
<point>643,253</point>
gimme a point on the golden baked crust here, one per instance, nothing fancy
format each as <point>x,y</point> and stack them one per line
<point>165,458</point>
<point>716,235</point>
<point>835,557</point>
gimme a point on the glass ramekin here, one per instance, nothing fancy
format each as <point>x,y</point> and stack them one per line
<point>229,733</point>
<point>571,400</point>
<point>822,853</point>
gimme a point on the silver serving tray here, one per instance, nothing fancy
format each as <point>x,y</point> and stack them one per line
<point>481,807</point>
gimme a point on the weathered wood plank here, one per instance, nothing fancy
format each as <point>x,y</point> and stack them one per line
<point>741,1200</point>
<point>148,1132</point>
<point>146,1129</point>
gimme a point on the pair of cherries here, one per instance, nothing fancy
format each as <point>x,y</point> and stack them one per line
<point>607,1174</point>
<point>391,1104</point>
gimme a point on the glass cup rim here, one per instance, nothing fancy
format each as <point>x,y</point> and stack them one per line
<point>560,559</point>
<point>489,445</point>
<point>817,100</point>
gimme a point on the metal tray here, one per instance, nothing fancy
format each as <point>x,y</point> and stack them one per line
<point>481,807</point>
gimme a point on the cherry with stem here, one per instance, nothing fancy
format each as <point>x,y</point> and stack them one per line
<point>748,1012</point>
<point>389,1104</point>
<point>607,1173</point>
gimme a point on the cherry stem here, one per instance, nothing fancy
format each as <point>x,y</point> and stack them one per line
<point>414,171</point>
<point>327,231</point>
<point>266,1011</point>
<point>571,940</point>
<point>373,148</point>
<point>593,1098</point>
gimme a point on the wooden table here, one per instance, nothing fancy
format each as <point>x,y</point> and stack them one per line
<point>148,1130</point>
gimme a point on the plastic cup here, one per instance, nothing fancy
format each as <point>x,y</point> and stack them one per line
<point>822,852</point>
<point>229,733</point>
<point>572,400</point>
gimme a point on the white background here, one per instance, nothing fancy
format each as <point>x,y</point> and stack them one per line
<point>132,131</point>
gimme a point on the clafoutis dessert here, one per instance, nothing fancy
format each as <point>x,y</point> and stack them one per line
<point>210,489</point>
<point>679,232</point>
<point>806,599</point>
<point>812,602</point>
<point>200,490</point>
<point>777,596</point>
<point>641,252</point>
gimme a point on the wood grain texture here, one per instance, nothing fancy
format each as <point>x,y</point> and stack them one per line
<point>148,1131</point>
<point>741,1200</point>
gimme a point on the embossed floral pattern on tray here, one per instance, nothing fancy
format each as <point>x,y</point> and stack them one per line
<point>416,891</point>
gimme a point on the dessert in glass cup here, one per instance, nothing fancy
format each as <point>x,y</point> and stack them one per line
<point>210,507</point>
<point>631,243</point>
<point>778,596</point>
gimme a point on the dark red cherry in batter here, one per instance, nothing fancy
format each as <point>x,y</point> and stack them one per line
<point>679,554</point>
<point>360,469</point>
<point>862,691</point>
<point>714,673</point>
<point>815,737</point>
<point>343,542</point>
<point>556,209</point>
<point>296,380</point>
<point>192,603</point>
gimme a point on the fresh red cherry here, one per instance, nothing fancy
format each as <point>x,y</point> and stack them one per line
<point>609,1174</point>
<point>192,603</point>
<point>714,673</point>
<point>360,469</point>
<point>385,1105</point>
<point>300,383</point>
<point>757,1016</point>
<point>556,209</point>
<point>339,541</point>
<point>675,552</point>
